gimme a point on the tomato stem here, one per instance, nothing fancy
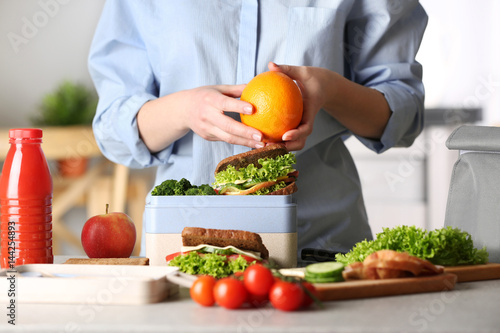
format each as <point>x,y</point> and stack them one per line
<point>315,299</point>
<point>296,279</point>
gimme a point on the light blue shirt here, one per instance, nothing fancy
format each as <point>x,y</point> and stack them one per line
<point>146,49</point>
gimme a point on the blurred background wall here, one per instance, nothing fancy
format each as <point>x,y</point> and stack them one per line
<point>461,55</point>
<point>44,42</point>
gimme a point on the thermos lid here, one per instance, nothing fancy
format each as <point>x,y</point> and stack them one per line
<point>25,133</point>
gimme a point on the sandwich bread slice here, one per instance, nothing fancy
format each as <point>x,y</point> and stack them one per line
<point>239,239</point>
<point>264,171</point>
<point>217,252</point>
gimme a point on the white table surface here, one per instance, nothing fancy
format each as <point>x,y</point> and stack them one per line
<point>471,307</point>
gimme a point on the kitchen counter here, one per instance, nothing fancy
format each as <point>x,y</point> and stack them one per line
<point>471,307</point>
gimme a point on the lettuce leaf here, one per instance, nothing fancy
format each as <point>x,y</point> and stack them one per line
<point>446,246</point>
<point>238,265</point>
<point>271,169</point>
<point>267,190</point>
<point>212,264</point>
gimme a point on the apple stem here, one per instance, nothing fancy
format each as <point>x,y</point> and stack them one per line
<point>107,208</point>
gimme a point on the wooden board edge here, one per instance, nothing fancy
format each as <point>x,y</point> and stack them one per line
<point>469,273</point>
<point>390,287</point>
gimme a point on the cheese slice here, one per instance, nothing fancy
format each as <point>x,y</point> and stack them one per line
<point>251,190</point>
<point>252,254</point>
<point>237,182</point>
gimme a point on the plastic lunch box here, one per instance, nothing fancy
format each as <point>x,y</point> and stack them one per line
<point>273,217</point>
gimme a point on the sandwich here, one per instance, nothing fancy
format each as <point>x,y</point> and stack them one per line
<point>264,171</point>
<point>217,252</point>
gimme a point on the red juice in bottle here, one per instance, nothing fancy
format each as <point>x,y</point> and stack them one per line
<point>25,202</point>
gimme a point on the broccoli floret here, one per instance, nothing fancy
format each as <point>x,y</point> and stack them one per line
<point>182,186</point>
<point>206,189</point>
<point>165,188</point>
<point>193,191</point>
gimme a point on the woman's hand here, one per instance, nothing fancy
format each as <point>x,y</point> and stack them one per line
<point>364,111</point>
<point>205,115</point>
<point>166,119</point>
<point>309,80</point>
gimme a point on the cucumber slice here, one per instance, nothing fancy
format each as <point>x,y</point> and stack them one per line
<point>337,277</point>
<point>325,269</point>
<point>250,183</point>
<point>324,280</point>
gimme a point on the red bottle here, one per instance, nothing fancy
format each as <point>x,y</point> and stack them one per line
<point>25,202</point>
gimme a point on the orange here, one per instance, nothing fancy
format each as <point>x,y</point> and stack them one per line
<point>277,103</point>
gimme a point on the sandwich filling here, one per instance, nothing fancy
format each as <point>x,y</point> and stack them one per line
<point>217,252</point>
<point>212,260</point>
<point>272,175</point>
<point>227,250</point>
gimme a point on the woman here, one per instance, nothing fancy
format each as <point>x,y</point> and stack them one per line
<point>169,75</point>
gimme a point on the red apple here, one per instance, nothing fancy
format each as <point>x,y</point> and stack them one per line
<point>110,235</point>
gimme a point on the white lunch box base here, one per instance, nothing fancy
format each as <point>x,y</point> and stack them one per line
<point>278,244</point>
<point>273,217</point>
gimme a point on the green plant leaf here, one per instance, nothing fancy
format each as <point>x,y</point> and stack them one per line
<point>70,104</point>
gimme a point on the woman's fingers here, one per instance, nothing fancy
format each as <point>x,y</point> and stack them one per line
<point>232,131</point>
<point>230,90</point>
<point>207,118</point>
<point>294,72</point>
<point>227,99</point>
<point>228,129</point>
<point>296,139</point>
<point>311,81</point>
<point>221,135</point>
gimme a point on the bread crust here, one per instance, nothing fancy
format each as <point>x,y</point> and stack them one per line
<point>251,157</point>
<point>244,240</point>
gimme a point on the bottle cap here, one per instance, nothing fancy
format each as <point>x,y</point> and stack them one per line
<point>25,133</point>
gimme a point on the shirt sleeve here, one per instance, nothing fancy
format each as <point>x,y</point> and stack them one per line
<point>123,77</point>
<point>382,40</point>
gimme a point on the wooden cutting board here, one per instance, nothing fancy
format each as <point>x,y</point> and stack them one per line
<point>392,287</point>
<point>469,273</point>
<point>389,287</point>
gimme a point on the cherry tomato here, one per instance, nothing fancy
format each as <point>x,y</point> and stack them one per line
<point>307,301</point>
<point>202,290</point>
<point>238,274</point>
<point>286,296</point>
<point>172,256</point>
<point>230,293</point>
<point>257,301</point>
<point>258,279</point>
